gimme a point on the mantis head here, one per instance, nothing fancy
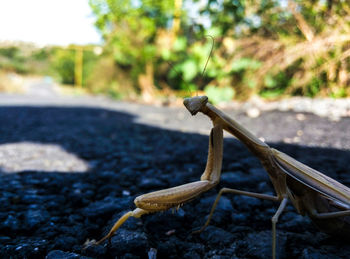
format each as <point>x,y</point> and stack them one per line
<point>195,104</point>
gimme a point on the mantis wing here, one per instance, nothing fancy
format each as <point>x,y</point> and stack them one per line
<point>312,178</point>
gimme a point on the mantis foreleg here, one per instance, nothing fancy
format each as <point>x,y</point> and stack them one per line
<point>177,196</point>
<point>136,213</point>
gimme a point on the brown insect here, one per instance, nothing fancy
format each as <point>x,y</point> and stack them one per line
<point>324,200</point>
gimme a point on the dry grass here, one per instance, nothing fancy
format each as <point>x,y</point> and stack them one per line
<point>10,83</point>
<point>305,58</point>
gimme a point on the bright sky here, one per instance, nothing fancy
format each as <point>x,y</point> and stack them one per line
<point>53,22</point>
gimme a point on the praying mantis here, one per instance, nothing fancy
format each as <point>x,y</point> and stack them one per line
<point>324,200</point>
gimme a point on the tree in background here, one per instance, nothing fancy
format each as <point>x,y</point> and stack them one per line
<point>275,48</point>
<point>267,47</point>
<point>131,30</point>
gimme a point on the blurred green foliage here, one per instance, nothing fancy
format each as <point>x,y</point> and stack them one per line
<point>58,62</point>
<point>219,94</point>
<point>62,63</point>
<point>11,59</point>
<point>270,48</point>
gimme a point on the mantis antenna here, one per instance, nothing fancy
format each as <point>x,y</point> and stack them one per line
<point>211,51</point>
<point>206,63</point>
<point>205,66</point>
<point>173,68</point>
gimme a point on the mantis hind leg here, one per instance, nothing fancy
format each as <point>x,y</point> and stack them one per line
<point>330,215</point>
<point>274,221</point>
<point>234,191</point>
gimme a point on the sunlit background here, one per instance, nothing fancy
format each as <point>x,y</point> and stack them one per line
<point>157,50</point>
<point>55,22</point>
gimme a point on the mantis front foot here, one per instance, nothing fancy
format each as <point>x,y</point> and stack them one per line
<point>135,213</point>
<point>88,243</point>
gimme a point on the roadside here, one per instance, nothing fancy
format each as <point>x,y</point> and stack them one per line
<point>296,120</point>
<point>72,164</point>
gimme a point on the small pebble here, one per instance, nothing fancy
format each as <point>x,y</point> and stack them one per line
<point>253,112</point>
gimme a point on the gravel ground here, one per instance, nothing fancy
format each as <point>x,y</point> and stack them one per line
<point>70,167</point>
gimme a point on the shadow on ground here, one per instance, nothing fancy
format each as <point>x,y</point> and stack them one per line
<point>47,213</point>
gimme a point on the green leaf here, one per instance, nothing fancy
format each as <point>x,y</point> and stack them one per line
<point>341,93</point>
<point>180,44</point>
<point>219,94</point>
<point>166,54</point>
<point>272,93</point>
<point>189,70</point>
<point>213,72</point>
<point>269,81</point>
<point>190,88</point>
<point>252,83</point>
<point>244,63</point>
<point>214,31</point>
<point>174,72</point>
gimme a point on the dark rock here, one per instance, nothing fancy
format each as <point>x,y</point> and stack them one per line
<point>224,203</point>
<point>33,218</point>
<point>130,256</point>
<point>236,179</point>
<point>216,236</point>
<point>25,250</point>
<point>166,249</point>
<point>11,223</point>
<point>194,248</point>
<point>45,210</point>
<point>245,203</point>
<point>258,245</point>
<point>238,217</point>
<point>222,211</point>
<point>241,180</point>
<point>58,254</point>
<point>73,219</point>
<point>250,162</point>
<point>33,198</point>
<point>264,187</point>
<point>54,201</point>
<point>65,242</point>
<point>191,255</point>
<point>221,257</point>
<point>106,207</point>
<point>4,239</point>
<point>130,224</point>
<point>160,224</point>
<point>108,175</point>
<point>126,240</point>
<point>310,253</point>
<point>95,251</point>
<point>151,183</point>
<point>293,222</point>
<point>235,166</point>
<point>259,174</point>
